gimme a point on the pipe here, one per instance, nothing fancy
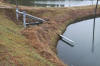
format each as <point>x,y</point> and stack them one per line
<point>93,42</point>
<point>66,40</point>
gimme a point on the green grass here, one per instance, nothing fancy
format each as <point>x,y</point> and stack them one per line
<point>15,49</point>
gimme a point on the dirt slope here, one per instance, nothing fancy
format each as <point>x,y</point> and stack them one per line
<point>44,37</point>
<point>36,45</point>
<point>15,49</point>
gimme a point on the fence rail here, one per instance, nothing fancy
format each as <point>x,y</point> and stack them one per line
<point>39,20</point>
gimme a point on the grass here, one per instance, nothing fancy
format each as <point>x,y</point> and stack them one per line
<point>15,49</point>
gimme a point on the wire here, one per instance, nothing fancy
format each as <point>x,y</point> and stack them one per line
<point>93,42</point>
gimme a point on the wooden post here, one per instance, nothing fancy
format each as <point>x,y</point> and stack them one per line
<point>24,19</point>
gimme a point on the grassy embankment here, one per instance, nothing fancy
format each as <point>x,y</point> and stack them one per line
<point>15,50</point>
<point>44,37</point>
<point>39,45</point>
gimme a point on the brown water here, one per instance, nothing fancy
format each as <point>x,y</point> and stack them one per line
<point>80,54</point>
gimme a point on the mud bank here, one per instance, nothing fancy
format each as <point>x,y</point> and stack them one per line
<point>43,38</point>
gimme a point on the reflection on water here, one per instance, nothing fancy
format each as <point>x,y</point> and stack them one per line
<point>81,54</point>
<point>63,3</point>
<point>54,3</point>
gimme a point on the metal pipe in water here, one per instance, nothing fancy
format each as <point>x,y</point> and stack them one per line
<point>66,40</point>
<point>95,11</point>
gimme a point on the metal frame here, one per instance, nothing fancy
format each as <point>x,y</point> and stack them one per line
<point>39,20</point>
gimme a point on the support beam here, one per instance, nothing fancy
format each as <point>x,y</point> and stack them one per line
<point>66,40</point>
<point>30,16</point>
<point>34,23</point>
<point>17,14</point>
<point>24,19</point>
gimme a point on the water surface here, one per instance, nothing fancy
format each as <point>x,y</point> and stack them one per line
<point>81,54</point>
<point>55,3</point>
<point>64,3</point>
